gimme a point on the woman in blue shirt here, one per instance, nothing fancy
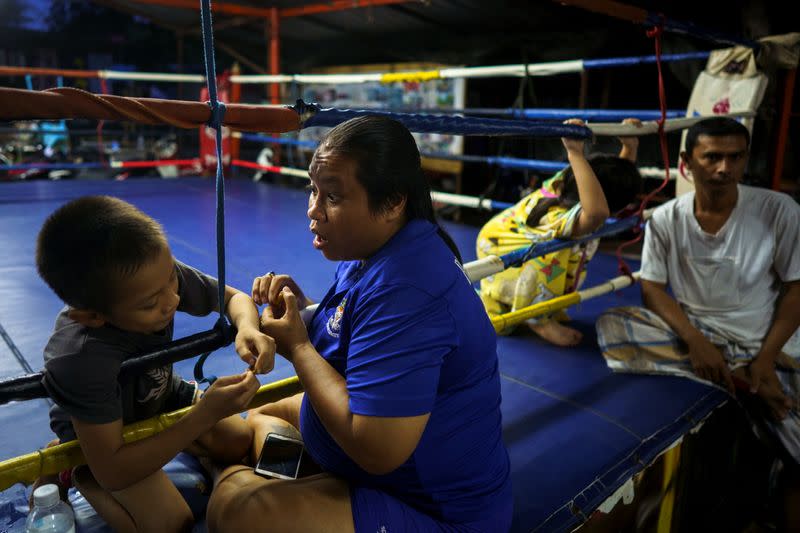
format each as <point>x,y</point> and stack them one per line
<point>401,402</point>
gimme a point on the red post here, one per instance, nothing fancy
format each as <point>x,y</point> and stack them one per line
<point>783,128</point>
<point>236,96</point>
<point>274,53</point>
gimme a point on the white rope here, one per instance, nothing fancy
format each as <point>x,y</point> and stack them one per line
<point>458,199</point>
<point>612,285</point>
<point>534,69</point>
<point>150,76</point>
<point>657,172</point>
<point>651,126</point>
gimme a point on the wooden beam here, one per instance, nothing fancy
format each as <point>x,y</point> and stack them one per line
<point>336,5</point>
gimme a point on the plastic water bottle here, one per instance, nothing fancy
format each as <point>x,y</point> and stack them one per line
<point>49,514</point>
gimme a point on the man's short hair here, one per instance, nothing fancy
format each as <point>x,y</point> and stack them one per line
<point>715,127</point>
<point>88,245</point>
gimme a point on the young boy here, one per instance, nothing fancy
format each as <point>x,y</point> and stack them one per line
<point>111,264</point>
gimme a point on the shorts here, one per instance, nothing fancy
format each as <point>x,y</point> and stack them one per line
<point>375,511</point>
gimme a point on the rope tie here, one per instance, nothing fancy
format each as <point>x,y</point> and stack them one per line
<point>305,111</point>
<point>656,33</point>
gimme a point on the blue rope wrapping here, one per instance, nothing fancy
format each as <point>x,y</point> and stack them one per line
<point>527,164</point>
<point>505,162</point>
<point>589,64</point>
<point>602,115</point>
<point>215,121</point>
<point>611,227</point>
<point>312,115</point>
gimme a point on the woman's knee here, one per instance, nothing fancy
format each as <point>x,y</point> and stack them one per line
<point>242,499</point>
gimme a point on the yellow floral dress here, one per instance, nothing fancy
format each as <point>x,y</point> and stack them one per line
<point>540,278</point>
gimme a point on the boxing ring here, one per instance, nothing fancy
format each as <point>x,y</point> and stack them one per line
<point>577,434</point>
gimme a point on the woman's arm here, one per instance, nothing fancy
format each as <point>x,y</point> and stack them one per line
<point>377,444</point>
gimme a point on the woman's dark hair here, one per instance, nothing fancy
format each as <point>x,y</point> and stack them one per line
<point>619,178</point>
<point>388,166</point>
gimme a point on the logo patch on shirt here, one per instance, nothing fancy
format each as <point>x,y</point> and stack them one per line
<point>160,382</point>
<point>334,325</point>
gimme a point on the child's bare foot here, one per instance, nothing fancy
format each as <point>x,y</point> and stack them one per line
<point>555,333</point>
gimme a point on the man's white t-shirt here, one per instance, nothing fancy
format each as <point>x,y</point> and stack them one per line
<point>731,280</point>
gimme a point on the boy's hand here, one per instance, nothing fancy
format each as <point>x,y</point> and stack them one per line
<point>229,395</point>
<point>288,330</point>
<point>573,145</point>
<point>256,349</point>
<point>267,290</point>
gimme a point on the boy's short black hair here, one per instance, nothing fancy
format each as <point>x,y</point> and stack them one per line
<point>87,245</point>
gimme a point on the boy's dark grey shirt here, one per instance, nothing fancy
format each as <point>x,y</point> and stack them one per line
<point>82,364</point>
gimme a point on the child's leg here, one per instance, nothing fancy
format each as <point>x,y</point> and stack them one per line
<point>227,442</point>
<point>153,504</point>
<point>287,409</point>
<point>494,308</point>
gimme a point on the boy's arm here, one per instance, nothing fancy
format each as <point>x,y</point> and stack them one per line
<point>254,347</point>
<point>117,465</point>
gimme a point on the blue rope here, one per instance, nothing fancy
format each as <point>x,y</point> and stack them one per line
<point>611,227</point>
<point>312,115</point>
<point>589,64</point>
<point>215,121</point>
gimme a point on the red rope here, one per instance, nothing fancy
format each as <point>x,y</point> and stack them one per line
<point>656,33</point>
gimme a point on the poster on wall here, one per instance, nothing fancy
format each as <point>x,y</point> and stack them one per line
<point>406,96</point>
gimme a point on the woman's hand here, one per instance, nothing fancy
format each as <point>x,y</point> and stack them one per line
<point>573,145</point>
<point>288,329</point>
<point>267,290</point>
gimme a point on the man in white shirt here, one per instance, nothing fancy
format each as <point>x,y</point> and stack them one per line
<point>730,255</point>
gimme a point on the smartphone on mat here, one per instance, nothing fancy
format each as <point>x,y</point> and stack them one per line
<point>280,457</point>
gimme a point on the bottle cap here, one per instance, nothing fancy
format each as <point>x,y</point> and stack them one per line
<point>46,495</point>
